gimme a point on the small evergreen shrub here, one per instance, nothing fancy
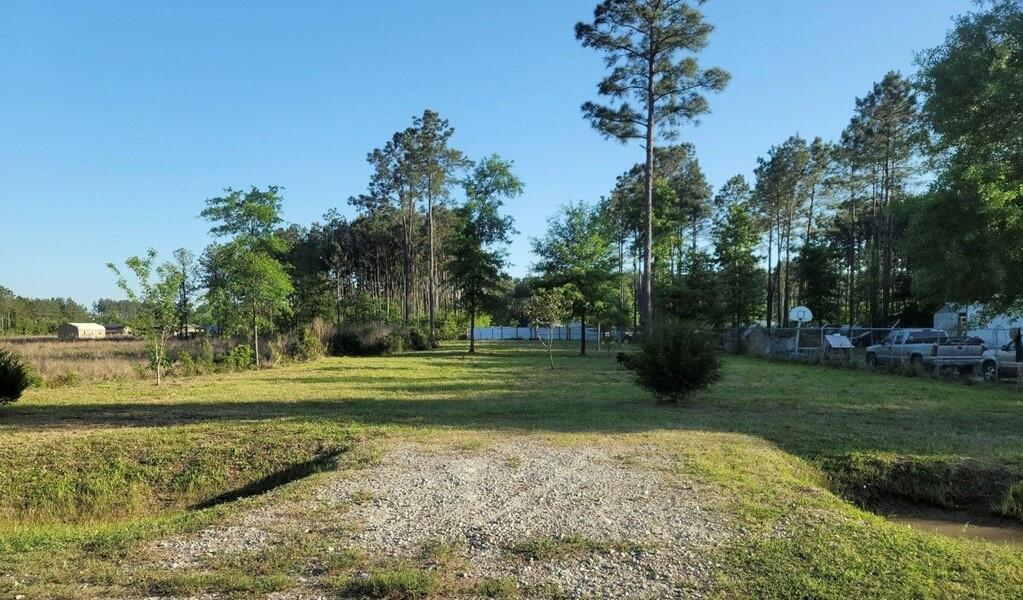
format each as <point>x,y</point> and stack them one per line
<point>451,327</point>
<point>185,363</point>
<point>677,360</point>
<point>240,357</point>
<point>14,377</point>
<point>370,339</point>
<point>418,341</point>
<point>307,346</point>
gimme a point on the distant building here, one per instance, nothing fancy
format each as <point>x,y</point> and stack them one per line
<point>119,331</point>
<point>81,331</point>
<point>968,320</point>
<point>191,331</point>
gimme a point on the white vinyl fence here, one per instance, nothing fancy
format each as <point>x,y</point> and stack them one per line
<point>566,333</point>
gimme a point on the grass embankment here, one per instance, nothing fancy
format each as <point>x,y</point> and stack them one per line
<point>772,441</point>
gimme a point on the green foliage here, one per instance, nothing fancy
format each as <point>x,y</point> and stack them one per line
<point>245,278</point>
<point>497,588</point>
<point>308,345</point>
<point>154,293</point>
<point>37,316</point>
<point>240,357</point>
<point>14,377</point>
<point>736,238</point>
<point>400,583</point>
<point>678,359</point>
<point>452,326</point>
<point>477,247</point>
<point>549,307</point>
<point>185,363</point>
<point>576,252</point>
<point>368,339</point>
<point>649,44</point>
<point>419,341</point>
<point>973,212</point>
<point>818,269</point>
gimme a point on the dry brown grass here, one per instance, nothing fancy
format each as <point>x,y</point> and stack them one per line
<point>60,363</point>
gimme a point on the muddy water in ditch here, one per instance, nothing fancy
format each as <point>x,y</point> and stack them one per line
<point>961,525</point>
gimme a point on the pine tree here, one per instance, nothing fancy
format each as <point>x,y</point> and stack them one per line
<point>648,45</point>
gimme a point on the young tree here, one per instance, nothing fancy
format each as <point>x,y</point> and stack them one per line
<point>550,308</point>
<point>648,45</point>
<point>156,315</point>
<point>477,246</point>
<point>577,249</point>
<point>245,272</point>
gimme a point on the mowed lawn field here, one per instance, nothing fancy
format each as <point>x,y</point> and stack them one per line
<point>93,477</point>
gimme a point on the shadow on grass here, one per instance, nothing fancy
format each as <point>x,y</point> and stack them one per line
<point>806,411</point>
<point>324,462</point>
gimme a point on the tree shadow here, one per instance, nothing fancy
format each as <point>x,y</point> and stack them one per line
<point>805,411</point>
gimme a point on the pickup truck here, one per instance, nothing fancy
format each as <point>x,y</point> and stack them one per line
<point>999,362</point>
<point>926,348</point>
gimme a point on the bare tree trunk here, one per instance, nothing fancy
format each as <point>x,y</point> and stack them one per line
<point>255,333</point>
<point>433,263</point>
<point>582,322</point>
<point>472,329</point>
<point>648,206</point>
<point>770,274</point>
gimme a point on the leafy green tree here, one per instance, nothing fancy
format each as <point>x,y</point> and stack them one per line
<point>577,250</point>
<point>964,238</point>
<point>549,308</point>
<point>478,244</point>
<point>736,237</point>
<point>648,46</point>
<point>154,293</point>
<point>245,274</point>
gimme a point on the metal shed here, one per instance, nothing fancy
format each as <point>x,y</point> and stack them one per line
<point>81,331</point>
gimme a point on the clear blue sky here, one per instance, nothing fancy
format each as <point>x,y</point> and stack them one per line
<point>117,119</point>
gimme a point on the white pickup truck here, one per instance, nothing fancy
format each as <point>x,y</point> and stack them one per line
<point>1000,362</point>
<point>926,348</point>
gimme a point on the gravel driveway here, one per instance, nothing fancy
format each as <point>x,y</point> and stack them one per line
<point>585,520</point>
<point>650,534</point>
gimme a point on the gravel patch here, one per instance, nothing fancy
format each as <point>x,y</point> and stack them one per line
<point>650,535</point>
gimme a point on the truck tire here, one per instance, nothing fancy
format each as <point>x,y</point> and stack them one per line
<point>990,370</point>
<point>916,362</point>
<point>872,360</point>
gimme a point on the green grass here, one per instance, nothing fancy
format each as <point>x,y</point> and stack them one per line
<point>399,583</point>
<point>88,474</point>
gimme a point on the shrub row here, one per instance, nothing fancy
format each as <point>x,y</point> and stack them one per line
<point>375,339</point>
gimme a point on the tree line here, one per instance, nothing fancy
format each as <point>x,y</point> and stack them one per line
<point>917,203</point>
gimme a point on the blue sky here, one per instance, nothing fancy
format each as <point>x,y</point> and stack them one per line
<point>117,120</point>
